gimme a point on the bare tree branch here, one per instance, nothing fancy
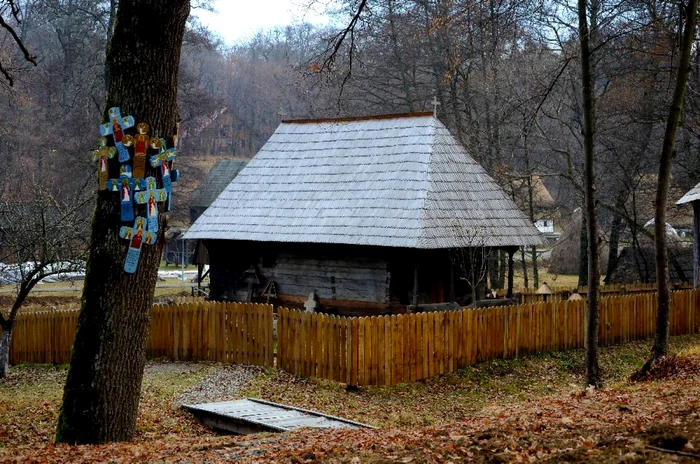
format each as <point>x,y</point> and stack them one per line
<point>14,8</point>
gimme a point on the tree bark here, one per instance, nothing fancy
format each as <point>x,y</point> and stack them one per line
<point>5,348</point>
<point>660,347</point>
<point>102,391</point>
<point>583,251</point>
<point>696,243</point>
<point>615,231</point>
<point>526,281</point>
<point>592,309</point>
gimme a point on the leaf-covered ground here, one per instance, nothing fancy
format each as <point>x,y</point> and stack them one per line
<point>532,409</point>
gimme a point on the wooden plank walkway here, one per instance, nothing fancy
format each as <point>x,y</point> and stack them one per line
<point>253,416</point>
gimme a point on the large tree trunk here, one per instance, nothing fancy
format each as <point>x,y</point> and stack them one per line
<point>660,347</point>
<point>592,309</point>
<point>101,396</point>
<point>5,349</point>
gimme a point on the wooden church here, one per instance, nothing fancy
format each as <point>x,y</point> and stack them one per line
<point>364,214</point>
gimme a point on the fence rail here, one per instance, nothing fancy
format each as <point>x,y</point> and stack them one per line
<point>197,331</point>
<point>386,350</point>
<point>383,350</point>
<point>530,295</point>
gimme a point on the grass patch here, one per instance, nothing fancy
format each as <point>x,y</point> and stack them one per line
<point>30,399</point>
<point>449,398</point>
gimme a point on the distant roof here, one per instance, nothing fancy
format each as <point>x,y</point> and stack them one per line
<point>692,195</point>
<point>397,180</point>
<point>218,178</point>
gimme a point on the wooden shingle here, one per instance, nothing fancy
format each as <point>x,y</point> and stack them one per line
<point>396,181</point>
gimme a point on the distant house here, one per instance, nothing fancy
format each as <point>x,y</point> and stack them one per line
<point>218,178</point>
<point>543,204</point>
<point>362,212</point>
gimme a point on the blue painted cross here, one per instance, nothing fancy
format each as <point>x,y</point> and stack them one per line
<point>116,126</point>
<point>126,186</point>
<point>165,156</point>
<point>150,197</point>
<point>136,236</point>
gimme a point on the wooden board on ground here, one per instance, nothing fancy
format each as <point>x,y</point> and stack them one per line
<point>253,416</point>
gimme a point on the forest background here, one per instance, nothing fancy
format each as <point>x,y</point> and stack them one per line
<point>505,74</point>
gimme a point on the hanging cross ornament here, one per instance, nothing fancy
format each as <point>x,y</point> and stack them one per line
<point>140,142</point>
<point>116,126</point>
<point>150,197</point>
<point>136,236</point>
<point>435,104</point>
<point>101,155</point>
<point>161,160</point>
<point>126,185</point>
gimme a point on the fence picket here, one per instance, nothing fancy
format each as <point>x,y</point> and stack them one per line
<point>374,350</point>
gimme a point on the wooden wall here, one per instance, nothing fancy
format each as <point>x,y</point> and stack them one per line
<point>341,275</point>
<point>332,277</point>
<point>335,273</point>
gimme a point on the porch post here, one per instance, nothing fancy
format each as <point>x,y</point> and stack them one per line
<point>511,252</point>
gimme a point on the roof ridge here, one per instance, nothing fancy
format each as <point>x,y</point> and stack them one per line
<point>359,118</point>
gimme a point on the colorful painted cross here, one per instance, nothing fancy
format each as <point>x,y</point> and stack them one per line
<point>126,185</point>
<point>140,142</point>
<point>136,236</point>
<point>116,127</point>
<point>101,155</point>
<point>164,156</point>
<point>150,197</point>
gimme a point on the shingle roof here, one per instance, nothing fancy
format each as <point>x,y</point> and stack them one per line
<point>216,180</point>
<point>692,195</point>
<point>399,181</point>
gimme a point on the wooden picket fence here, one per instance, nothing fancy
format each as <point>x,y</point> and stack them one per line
<point>383,350</point>
<point>530,295</point>
<point>43,337</point>
<point>197,331</point>
<point>209,331</point>
<point>387,350</point>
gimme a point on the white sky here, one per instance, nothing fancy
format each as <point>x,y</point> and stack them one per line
<point>236,20</point>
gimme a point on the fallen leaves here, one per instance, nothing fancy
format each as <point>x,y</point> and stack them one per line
<point>674,366</point>
<point>527,410</point>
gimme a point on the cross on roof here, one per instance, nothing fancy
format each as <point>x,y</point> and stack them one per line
<point>435,104</point>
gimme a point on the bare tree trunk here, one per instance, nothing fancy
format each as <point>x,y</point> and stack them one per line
<point>398,56</point>
<point>5,349</point>
<point>493,269</point>
<point>8,323</point>
<point>660,348</point>
<point>102,391</point>
<point>583,251</point>
<point>502,269</point>
<point>696,244</point>
<point>592,312</point>
<point>615,231</point>
<point>526,281</point>
<point>531,211</point>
